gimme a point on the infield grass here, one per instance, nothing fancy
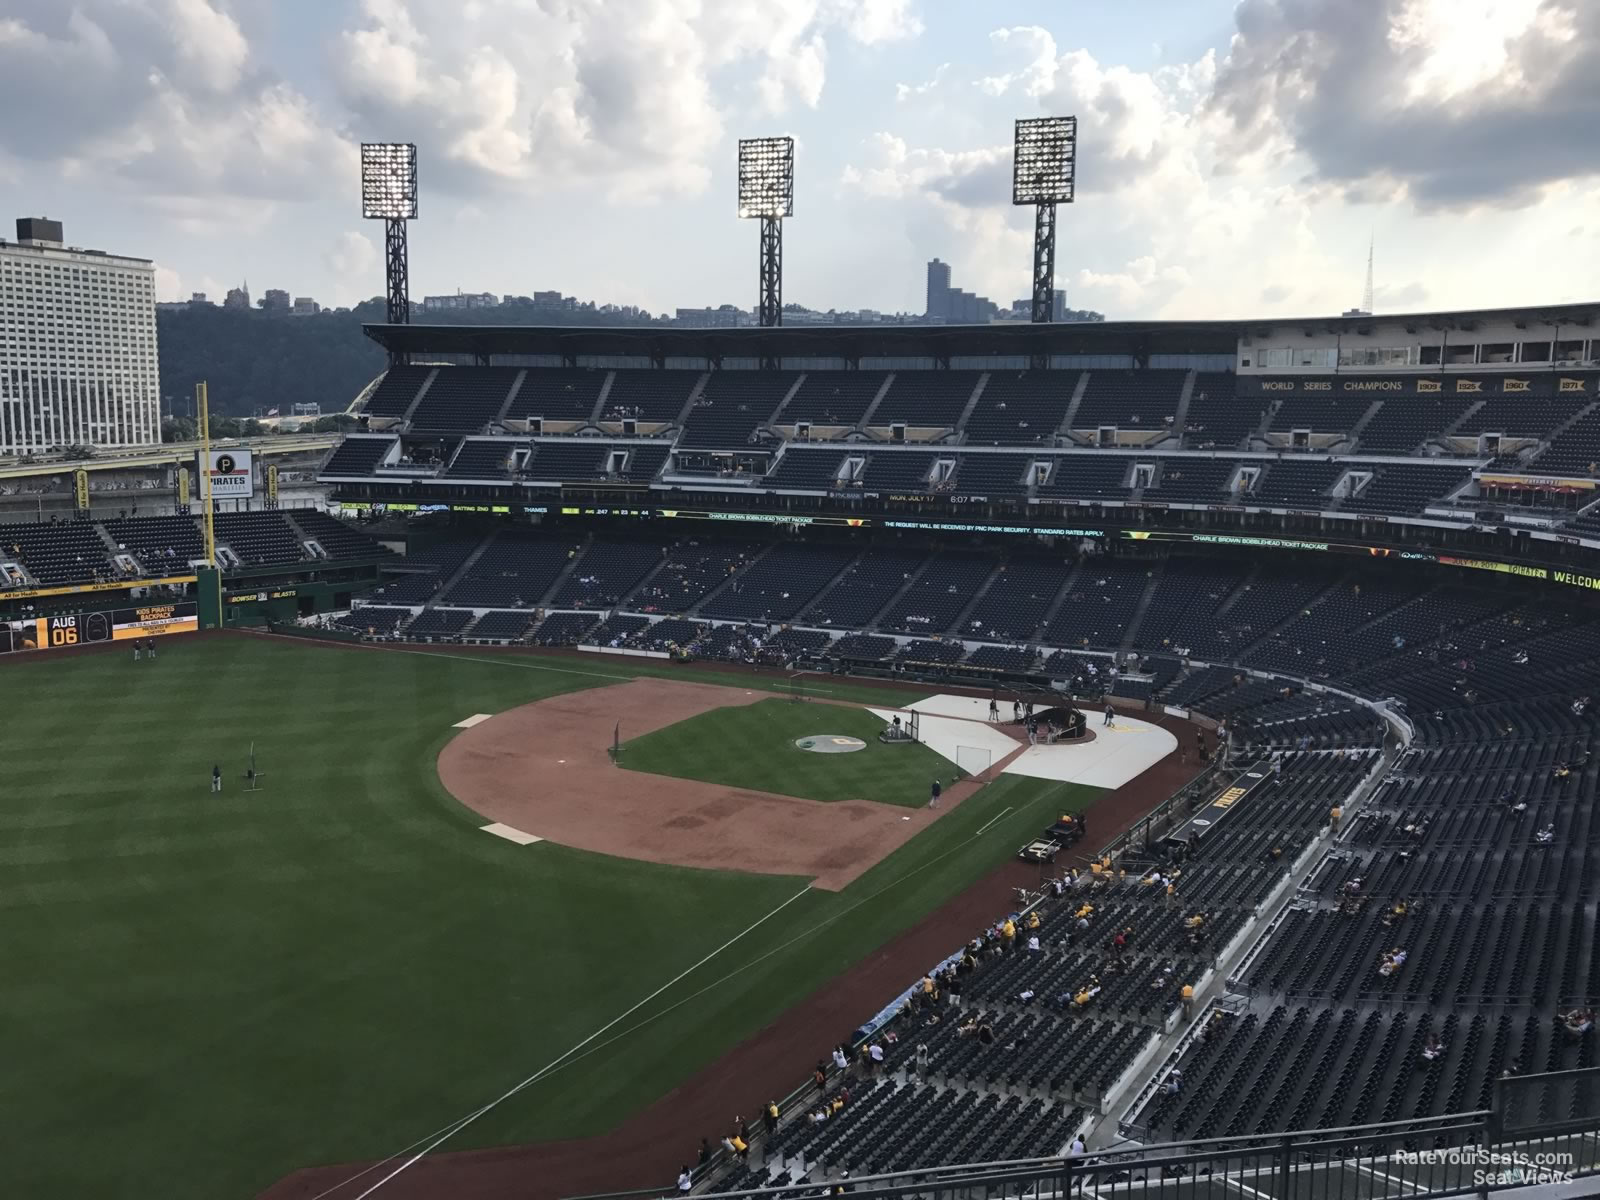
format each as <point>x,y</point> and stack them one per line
<point>754,746</point>
<point>204,993</point>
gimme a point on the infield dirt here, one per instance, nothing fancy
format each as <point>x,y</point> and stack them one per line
<point>543,768</point>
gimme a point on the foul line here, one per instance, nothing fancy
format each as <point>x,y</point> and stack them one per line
<point>456,1127</point>
<point>992,820</point>
<point>439,1136</point>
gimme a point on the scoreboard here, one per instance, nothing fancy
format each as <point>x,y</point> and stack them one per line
<point>114,625</point>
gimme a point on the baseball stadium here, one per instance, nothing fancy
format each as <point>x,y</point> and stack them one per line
<point>1139,759</point>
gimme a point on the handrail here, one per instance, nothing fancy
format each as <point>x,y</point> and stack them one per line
<point>954,1176</point>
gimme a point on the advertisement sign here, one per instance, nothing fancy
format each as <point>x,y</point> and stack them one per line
<point>80,489</point>
<point>115,625</point>
<point>232,475</point>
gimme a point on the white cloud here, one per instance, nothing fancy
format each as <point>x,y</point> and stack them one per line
<point>1440,104</point>
<point>352,255</point>
<point>912,91</point>
<point>159,98</point>
<point>169,286</point>
<point>569,92</point>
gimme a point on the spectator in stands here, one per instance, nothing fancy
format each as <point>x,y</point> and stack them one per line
<point>1174,1083</point>
<point>705,1154</point>
<point>1546,835</point>
<point>1433,1048</point>
<point>840,1062</point>
<point>769,1119</point>
<point>1578,1021</point>
<point>685,1179</point>
<point>1393,960</point>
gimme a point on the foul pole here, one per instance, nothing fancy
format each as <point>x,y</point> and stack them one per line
<point>203,402</point>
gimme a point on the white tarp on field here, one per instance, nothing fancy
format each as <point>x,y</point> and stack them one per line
<point>947,735</point>
<point>1117,754</point>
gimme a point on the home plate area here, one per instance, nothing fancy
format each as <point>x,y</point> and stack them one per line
<point>957,726</point>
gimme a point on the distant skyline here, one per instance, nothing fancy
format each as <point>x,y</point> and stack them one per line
<point>1235,159</point>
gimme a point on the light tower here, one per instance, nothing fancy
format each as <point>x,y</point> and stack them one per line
<point>766,190</point>
<point>389,194</point>
<point>1043,174</point>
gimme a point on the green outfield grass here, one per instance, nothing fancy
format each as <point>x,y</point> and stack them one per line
<point>753,746</point>
<point>204,993</point>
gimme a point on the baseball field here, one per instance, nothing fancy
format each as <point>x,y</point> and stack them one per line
<point>207,992</point>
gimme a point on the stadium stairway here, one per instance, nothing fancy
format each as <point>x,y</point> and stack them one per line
<point>777,414</point>
<point>572,564</point>
<point>1259,433</point>
<point>695,393</point>
<point>1243,651</point>
<point>511,398</point>
<point>831,584</point>
<point>1450,429</point>
<point>1054,607</point>
<point>694,612</point>
<point>466,566</point>
<point>972,401</point>
<point>599,408</point>
<point>889,604</point>
<point>405,417</point>
<point>1131,630</point>
<point>1582,414</point>
<point>1068,417</point>
<point>1180,416</point>
<point>883,390</point>
<point>1352,438</point>
<point>978,594</point>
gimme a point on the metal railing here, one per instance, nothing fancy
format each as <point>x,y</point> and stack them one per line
<point>1472,1153</point>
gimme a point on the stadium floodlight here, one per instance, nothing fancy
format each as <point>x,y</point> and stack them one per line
<point>388,181</point>
<point>1044,160</point>
<point>389,194</point>
<point>766,177</point>
<point>1044,174</point>
<point>766,192</point>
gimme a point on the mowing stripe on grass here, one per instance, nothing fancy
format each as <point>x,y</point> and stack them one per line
<point>457,1126</point>
<point>712,680</point>
<point>583,1050</point>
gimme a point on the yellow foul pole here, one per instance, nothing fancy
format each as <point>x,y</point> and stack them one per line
<point>205,471</point>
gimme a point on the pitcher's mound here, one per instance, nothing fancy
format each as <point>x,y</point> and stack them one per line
<point>830,743</point>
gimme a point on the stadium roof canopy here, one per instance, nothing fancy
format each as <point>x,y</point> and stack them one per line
<point>1137,338</point>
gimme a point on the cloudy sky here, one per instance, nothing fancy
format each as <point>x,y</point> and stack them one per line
<point>1234,157</point>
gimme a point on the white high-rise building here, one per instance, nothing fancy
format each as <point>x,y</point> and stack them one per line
<point>77,345</point>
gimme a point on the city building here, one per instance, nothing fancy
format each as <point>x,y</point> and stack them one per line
<point>461,300</point>
<point>238,297</point>
<point>724,316</point>
<point>77,345</point>
<point>275,301</point>
<point>948,305</point>
<point>938,287</point>
<point>304,306</point>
